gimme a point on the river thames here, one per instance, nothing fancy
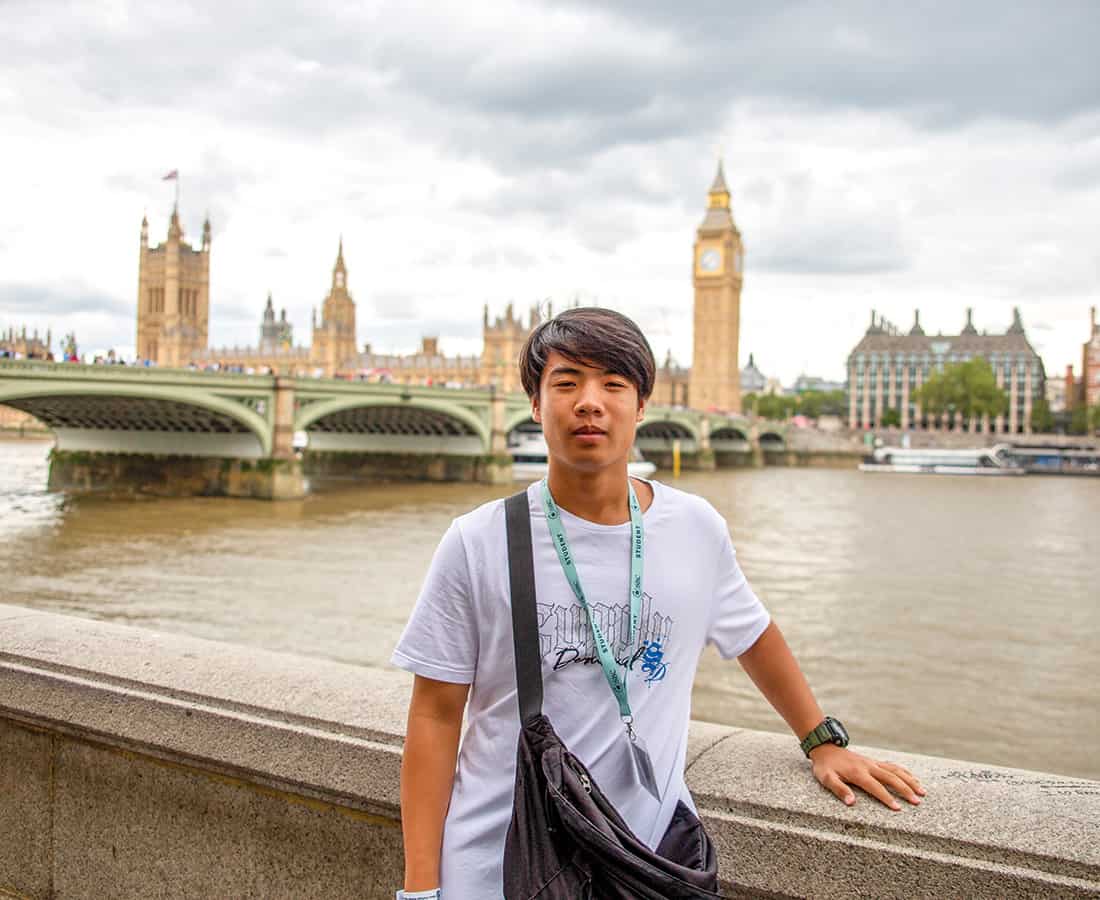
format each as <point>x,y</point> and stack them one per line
<point>956,617</point>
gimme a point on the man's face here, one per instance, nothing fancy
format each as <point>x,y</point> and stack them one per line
<point>588,415</point>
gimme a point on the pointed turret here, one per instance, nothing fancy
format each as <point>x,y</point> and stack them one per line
<point>916,329</point>
<point>269,310</point>
<point>969,327</point>
<point>206,232</point>
<point>1017,326</point>
<point>718,217</point>
<point>144,231</point>
<point>174,228</point>
<point>719,194</point>
<point>340,271</point>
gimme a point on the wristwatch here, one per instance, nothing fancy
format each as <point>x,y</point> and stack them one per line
<point>828,732</point>
<point>433,894</point>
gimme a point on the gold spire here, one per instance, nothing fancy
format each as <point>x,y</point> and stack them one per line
<point>719,195</point>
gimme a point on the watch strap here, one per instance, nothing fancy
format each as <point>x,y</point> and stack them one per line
<point>821,734</point>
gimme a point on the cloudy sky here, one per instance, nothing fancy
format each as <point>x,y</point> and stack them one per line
<point>880,156</point>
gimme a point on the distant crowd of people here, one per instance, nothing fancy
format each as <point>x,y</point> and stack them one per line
<point>374,376</point>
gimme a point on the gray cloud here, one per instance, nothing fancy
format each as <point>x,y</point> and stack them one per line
<point>390,306</point>
<point>637,73</point>
<point>495,256</point>
<point>18,299</point>
<point>594,122</point>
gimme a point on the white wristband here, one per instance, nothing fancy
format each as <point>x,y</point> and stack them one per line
<point>433,894</point>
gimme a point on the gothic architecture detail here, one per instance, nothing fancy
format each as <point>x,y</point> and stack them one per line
<point>719,256</point>
<point>173,296</point>
<point>333,348</point>
<point>174,312</point>
<point>17,344</point>
<point>275,335</point>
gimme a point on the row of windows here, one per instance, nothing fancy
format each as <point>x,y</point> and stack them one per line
<point>994,359</point>
<point>884,378</point>
<point>189,301</point>
<point>895,390</point>
<point>1021,369</point>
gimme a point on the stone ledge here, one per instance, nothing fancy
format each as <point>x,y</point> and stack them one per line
<point>330,732</point>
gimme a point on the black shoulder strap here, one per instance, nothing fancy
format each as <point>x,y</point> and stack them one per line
<point>525,628</point>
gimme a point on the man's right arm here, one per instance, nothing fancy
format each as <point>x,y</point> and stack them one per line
<point>427,775</point>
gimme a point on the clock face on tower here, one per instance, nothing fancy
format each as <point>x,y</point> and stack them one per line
<point>710,259</point>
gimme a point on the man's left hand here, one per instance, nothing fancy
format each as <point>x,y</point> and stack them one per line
<point>838,767</point>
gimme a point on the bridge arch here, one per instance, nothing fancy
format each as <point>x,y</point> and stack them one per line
<point>156,419</point>
<point>516,418</point>
<point>389,425</point>
<point>656,436</point>
<point>729,433</point>
<point>772,439</point>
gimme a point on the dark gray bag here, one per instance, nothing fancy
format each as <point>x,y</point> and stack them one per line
<point>566,841</point>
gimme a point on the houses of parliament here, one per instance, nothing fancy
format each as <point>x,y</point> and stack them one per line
<point>174,313</point>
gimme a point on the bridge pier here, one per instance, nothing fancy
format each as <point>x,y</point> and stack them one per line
<point>352,466</point>
<point>113,474</point>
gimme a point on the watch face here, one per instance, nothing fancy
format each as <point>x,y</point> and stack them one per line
<point>840,731</point>
<point>709,260</point>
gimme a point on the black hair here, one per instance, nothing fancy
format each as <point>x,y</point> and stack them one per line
<point>593,336</point>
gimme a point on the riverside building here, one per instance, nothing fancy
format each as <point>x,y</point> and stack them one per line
<point>1086,390</point>
<point>887,367</point>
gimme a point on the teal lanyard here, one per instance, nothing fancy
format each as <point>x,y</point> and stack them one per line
<point>637,557</point>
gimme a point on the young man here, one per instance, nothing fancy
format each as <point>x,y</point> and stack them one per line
<point>589,373</point>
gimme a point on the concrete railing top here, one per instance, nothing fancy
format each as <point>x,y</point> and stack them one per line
<point>333,732</point>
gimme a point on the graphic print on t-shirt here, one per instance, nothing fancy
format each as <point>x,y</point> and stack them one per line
<point>565,636</point>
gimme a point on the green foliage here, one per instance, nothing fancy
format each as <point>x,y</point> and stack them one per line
<point>968,387</point>
<point>891,418</point>
<point>1042,420</point>
<point>773,406</point>
<point>814,404</point>
<point>1084,420</point>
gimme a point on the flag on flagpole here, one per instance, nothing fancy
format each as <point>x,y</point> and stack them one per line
<point>172,176</point>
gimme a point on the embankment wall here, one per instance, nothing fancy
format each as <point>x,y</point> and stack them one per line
<point>137,764</point>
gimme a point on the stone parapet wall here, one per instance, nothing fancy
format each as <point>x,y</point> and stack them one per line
<point>140,764</point>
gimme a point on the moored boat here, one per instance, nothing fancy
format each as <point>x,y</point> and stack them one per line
<point>995,460</point>
<point>1060,459</point>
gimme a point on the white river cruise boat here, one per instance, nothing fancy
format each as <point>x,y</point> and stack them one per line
<point>995,460</point>
<point>530,458</point>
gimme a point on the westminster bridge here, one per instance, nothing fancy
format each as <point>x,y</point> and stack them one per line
<point>178,431</point>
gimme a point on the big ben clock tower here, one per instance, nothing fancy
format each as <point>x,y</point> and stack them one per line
<point>719,258</point>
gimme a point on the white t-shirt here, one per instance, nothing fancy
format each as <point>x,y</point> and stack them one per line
<point>460,631</point>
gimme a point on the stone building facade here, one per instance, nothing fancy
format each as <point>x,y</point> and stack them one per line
<point>173,296</point>
<point>173,310</point>
<point>672,385</point>
<point>19,344</point>
<point>887,367</point>
<point>1085,391</point>
<point>174,313</point>
<point>719,257</point>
